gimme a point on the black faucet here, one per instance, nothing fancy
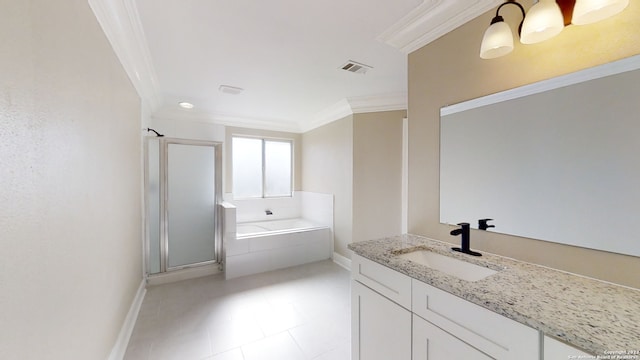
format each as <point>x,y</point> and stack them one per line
<point>482,224</point>
<point>464,246</point>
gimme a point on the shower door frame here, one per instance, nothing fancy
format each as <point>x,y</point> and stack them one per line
<point>163,144</point>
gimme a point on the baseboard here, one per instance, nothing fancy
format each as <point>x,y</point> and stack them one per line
<point>120,347</point>
<point>184,274</point>
<point>342,261</point>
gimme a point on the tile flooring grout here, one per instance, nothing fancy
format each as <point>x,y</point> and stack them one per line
<point>297,313</point>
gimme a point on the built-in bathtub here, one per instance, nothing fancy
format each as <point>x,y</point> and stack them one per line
<point>269,245</point>
<point>274,227</point>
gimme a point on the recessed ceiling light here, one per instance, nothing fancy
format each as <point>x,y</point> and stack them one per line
<point>185,105</point>
<point>230,89</point>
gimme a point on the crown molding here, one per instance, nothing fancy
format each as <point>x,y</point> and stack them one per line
<point>264,124</point>
<point>121,24</point>
<point>227,120</point>
<point>367,104</point>
<point>332,113</point>
<point>357,105</point>
<point>337,111</point>
<point>432,19</point>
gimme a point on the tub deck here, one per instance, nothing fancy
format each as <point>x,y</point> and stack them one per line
<point>262,228</point>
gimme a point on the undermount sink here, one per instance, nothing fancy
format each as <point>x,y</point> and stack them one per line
<point>458,268</point>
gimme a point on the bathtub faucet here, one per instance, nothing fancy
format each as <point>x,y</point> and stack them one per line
<point>268,212</point>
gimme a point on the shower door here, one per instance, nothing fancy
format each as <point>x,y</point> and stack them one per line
<point>188,173</point>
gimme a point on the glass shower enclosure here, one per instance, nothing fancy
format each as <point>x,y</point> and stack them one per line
<point>182,190</point>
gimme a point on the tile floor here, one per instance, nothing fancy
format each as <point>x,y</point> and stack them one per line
<point>297,313</point>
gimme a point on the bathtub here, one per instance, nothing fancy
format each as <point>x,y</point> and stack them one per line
<point>274,227</point>
<point>269,245</point>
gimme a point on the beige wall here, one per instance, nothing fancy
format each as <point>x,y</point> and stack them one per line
<point>328,168</point>
<point>297,150</point>
<point>377,174</point>
<point>359,160</point>
<point>70,189</point>
<point>449,70</point>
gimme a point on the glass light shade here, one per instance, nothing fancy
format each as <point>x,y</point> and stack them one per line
<point>590,11</point>
<point>497,41</point>
<point>543,21</point>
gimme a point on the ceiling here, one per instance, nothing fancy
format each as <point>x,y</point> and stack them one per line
<point>286,55</point>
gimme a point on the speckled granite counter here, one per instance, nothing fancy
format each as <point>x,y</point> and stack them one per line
<point>595,316</point>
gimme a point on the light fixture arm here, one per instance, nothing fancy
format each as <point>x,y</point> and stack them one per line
<point>498,18</point>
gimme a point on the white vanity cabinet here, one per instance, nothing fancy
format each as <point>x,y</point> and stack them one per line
<point>473,331</point>
<point>380,315</point>
<point>554,349</point>
<point>396,317</point>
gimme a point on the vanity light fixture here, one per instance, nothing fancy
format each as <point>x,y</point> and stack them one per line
<point>498,39</point>
<point>590,11</point>
<point>544,20</point>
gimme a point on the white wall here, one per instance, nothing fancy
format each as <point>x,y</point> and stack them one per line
<point>70,184</point>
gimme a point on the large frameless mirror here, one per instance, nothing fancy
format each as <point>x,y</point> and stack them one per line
<point>556,161</point>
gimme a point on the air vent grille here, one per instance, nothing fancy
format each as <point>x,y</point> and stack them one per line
<point>356,67</point>
<point>230,89</point>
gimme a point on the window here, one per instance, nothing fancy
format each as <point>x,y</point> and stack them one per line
<point>261,167</point>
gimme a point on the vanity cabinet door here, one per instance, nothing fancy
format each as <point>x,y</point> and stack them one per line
<point>432,343</point>
<point>380,328</point>
<point>554,349</point>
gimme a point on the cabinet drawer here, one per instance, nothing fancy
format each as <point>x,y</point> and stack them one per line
<point>493,334</point>
<point>387,282</point>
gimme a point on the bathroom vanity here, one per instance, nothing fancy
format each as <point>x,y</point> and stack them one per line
<point>414,298</point>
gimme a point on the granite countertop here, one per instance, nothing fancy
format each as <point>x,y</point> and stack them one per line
<point>591,315</point>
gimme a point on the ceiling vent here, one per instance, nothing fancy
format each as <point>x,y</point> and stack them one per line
<point>230,89</point>
<point>356,67</point>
